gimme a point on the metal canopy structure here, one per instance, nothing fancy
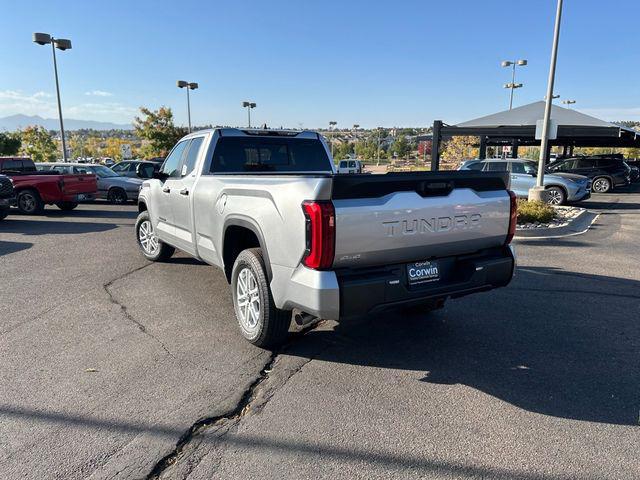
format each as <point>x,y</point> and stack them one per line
<point>517,127</point>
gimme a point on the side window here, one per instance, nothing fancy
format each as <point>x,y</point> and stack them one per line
<point>475,166</point>
<point>120,167</point>
<point>496,167</point>
<point>517,167</point>
<point>146,170</point>
<point>191,157</point>
<point>584,163</point>
<point>343,164</point>
<point>11,165</point>
<point>352,164</point>
<point>171,165</point>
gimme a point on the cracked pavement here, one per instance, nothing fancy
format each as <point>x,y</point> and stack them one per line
<point>116,368</point>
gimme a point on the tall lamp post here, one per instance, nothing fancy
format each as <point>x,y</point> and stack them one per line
<point>188,86</point>
<point>332,125</point>
<point>538,192</point>
<point>249,106</point>
<point>355,138</point>
<point>61,44</point>
<point>513,85</point>
<point>378,150</point>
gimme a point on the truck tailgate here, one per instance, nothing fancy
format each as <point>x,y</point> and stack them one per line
<point>81,183</point>
<point>403,217</point>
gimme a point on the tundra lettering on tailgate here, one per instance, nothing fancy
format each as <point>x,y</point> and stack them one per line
<point>431,225</point>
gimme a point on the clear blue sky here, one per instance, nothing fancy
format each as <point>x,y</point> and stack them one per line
<point>374,63</point>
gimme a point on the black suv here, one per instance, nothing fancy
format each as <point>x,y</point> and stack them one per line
<point>606,171</point>
<point>7,195</point>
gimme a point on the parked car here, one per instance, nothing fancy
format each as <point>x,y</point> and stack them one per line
<point>7,195</point>
<point>111,186</point>
<point>606,172</point>
<point>562,187</point>
<point>350,166</point>
<point>108,162</point>
<point>36,189</point>
<point>136,168</point>
<point>292,235</point>
<point>634,165</point>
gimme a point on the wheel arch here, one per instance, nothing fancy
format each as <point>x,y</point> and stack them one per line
<point>240,233</point>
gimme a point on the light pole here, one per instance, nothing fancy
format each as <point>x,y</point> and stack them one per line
<point>249,106</point>
<point>355,138</point>
<point>513,85</point>
<point>538,192</point>
<point>332,125</point>
<point>568,103</point>
<point>61,44</point>
<point>378,150</point>
<point>188,86</point>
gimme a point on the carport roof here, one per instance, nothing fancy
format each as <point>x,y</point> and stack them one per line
<point>519,124</point>
<point>531,113</point>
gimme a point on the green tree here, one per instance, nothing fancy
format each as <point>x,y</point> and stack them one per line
<point>400,147</point>
<point>158,129</point>
<point>38,144</point>
<point>10,143</point>
<point>343,150</point>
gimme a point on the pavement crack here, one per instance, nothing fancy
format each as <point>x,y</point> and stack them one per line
<point>253,400</point>
<point>125,311</point>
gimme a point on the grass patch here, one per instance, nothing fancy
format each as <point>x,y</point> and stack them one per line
<point>531,212</point>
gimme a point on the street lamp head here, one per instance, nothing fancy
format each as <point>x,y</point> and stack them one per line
<point>182,84</point>
<point>193,85</point>
<point>521,63</point>
<point>42,38</point>
<point>62,44</point>
<point>506,63</point>
<point>356,126</point>
<point>333,122</point>
<point>252,105</point>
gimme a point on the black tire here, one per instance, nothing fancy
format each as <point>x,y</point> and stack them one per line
<point>66,206</point>
<point>601,185</point>
<point>117,196</point>
<point>272,324</point>
<point>556,196</point>
<point>29,202</point>
<point>163,252</point>
<point>3,213</point>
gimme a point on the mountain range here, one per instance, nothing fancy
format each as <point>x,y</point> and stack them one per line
<point>15,122</point>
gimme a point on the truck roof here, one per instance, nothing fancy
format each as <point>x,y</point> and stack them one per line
<point>262,132</point>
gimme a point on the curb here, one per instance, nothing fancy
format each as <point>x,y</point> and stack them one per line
<point>578,226</point>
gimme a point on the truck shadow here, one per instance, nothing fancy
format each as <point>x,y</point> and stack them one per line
<point>556,343</point>
<point>12,247</point>
<point>28,226</point>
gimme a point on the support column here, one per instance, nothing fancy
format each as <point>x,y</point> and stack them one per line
<point>435,146</point>
<point>514,148</point>
<point>482,154</point>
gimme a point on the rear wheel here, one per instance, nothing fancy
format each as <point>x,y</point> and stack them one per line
<point>601,185</point>
<point>151,246</point>
<point>555,196</point>
<point>261,323</point>
<point>29,202</point>
<point>117,195</point>
<point>66,206</point>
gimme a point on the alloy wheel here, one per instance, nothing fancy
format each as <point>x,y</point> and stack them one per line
<point>147,238</point>
<point>248,300</point>
<point>27,202</point>
<point>601,185</point>
<point>554,197</point>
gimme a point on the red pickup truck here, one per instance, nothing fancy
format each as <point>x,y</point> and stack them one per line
<point>36,189</point>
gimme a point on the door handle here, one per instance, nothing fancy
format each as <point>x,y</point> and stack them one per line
<point>184,191</point>
<point>166,189</point>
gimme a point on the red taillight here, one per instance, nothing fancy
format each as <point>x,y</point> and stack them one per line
<point>513,217</point>
<point>320,227</point>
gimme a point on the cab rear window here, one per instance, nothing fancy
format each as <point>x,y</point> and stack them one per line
<point>257,154</point>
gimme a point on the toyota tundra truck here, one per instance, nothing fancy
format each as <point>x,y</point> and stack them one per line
<point>295,238</point>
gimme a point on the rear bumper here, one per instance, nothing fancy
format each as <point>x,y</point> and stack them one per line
<point>370,290</point>
<point>79,197</point>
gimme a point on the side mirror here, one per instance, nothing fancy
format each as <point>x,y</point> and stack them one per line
<point>158,175</point>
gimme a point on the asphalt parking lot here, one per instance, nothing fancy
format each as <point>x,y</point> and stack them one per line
<point>113,367</point>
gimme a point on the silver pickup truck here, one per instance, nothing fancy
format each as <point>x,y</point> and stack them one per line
<point>295,238</point>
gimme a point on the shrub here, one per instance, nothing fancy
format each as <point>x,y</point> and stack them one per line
<point>531,212</point>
